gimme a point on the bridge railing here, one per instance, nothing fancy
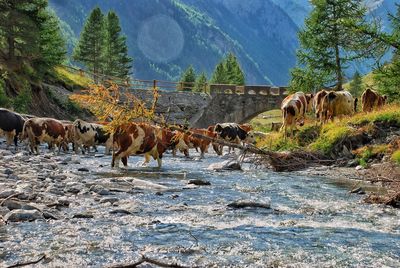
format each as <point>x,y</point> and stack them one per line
<point>248,90</point>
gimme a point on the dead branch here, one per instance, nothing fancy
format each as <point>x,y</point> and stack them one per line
<point>145,259</point>
<point>20,264</point>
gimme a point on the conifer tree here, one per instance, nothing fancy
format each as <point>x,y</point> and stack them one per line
<point>188,78</point>
<point>328,44</point>
<point>25,28</point>
<point>90,47</point>
<point>234,73</point>
<point>116,60</point>
<point>219,74</point>
<point>52,46</point>
<point>356,85</point>
<point>201,83</point>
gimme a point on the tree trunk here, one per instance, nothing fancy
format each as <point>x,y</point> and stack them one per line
<point>338,69</point>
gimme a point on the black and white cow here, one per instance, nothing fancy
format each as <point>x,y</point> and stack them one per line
<point>234,133</point>
<point>11,125</point>
<point>91,134</point>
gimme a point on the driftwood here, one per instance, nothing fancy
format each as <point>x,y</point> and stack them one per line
<point>279,161</point>
<point>145,259</point>
<point>20,264</point>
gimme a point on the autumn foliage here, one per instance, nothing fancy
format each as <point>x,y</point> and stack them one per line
<point>116,105</point>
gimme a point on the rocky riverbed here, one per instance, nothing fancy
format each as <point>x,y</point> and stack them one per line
<point>77,211</point>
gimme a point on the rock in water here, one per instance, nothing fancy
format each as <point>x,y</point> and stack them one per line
<point>18,215</point>
<point>199,182</point>
<point>249,204</point>
<point>225,165</point>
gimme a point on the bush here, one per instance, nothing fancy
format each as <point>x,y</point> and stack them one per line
<point>22,101</point>
<point>4,100</point>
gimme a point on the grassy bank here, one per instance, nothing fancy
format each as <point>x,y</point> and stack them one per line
<point>353,132</point>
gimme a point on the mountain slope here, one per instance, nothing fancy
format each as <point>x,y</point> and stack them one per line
<point>164,37</point>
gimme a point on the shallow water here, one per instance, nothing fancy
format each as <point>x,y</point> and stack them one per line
<point>312,221</point>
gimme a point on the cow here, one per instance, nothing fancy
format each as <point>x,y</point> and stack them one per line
<point>317,104</point>
<point>338,103</point>
<point>371,100</point>
<point>141,138</point>
<point>193,139</point>
<point>90,134</point>
<point>69,134</point>
<point>11,126</point>
<point>294,108</point>
<point>234,133</point>
<point>39,130</point>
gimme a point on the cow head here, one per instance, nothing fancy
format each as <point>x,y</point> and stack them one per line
<point>250,138</point>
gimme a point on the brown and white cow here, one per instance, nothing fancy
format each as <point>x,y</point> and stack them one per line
<point>371,100</point>
<point>317,103</point>
<point>91,134</point>
<point>294,108</point>
<point>11,125</point>
<point>39,130</point>
<point>338,103</point>
<point>141,138</point>
<point>193,139</point>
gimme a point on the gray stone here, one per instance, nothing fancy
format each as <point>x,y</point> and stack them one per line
<point>111,200</point>
<point>7,193</point>
<point>83,169</point>
<point>249,204</point>
<point>49,215</point>
<point>19,215</point>
<point>8,171</point>
<point>359,167</point>
<point>83,215</point>
<point>120,211</point>
<point>4,211</point>
<point>12,204</point>
<point>199,182</point>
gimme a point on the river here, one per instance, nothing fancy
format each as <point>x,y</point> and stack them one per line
<point>311,222</point>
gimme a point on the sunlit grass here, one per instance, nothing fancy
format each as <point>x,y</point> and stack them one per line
<point>263,121</point>
<point>396,157</point>
<point>72,78</point>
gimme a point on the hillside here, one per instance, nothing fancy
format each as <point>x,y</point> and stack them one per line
<point>165,37</point>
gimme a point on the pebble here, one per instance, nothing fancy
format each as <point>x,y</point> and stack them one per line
<point>83,169</point>
<point>249,204</point>
<point>120,211</point>
<point>359,167</point>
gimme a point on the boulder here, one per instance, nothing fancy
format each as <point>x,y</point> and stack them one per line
<point>18,215</point>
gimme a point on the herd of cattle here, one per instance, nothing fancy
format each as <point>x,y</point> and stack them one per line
<point>152,141</point>
<point>327,105</point>
<point>127,139</point>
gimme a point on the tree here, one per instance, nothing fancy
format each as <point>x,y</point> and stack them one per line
<point>201,83</point>
<point>90,47</point>
<point>233,71</point>
<point>387,77</point>
<point>30,38</point>
<point>117,62</point>
<point>356,85</point>
<point>228,71</point>
<point>219,74</point>
<point>188,79</point>
<point>307,80</point>
<point>52,46</point>
<point>328,44</point>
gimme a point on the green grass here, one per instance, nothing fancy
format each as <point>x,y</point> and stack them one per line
<point>263,121</point>
<point>396,157</point>
<point>72,79</point>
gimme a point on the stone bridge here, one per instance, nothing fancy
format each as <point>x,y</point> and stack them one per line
<point>225,103</point>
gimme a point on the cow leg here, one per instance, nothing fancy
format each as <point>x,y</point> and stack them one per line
<point>174,152</point>
<point>159,161</point>
<point>124,160</point>
<point>146,159</point>
<point>186,152</point>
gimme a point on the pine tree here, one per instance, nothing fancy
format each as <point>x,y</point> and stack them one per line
<point>90,47</point>
<point>117,62</point>
<point>20,23</point>
<point>234,73</point>
<point>188,79</point>
<point>219,75</point>
<point>387,77</point>
<point>356,85</point>
<point>52,46</point>
<point>201,83</point>
<point>327,42</point>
